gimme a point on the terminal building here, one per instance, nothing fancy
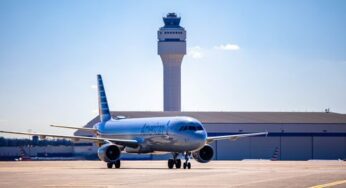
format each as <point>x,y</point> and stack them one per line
<point>292,135</point>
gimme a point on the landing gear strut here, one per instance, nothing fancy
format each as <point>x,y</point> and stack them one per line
<point>116,164</point>
<point>175,161</point>
<point>187,164</point>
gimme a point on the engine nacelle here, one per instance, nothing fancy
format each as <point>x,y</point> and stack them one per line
<point>109,153</point>
<point>204,155</point>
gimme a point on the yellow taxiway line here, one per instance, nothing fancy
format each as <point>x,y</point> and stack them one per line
<point>329,184</point>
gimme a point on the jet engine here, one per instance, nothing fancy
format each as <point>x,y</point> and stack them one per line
<point>204,155</point>
<point>109,153</point>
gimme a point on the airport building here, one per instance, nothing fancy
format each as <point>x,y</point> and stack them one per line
<point>171,47</point>
<point>292,135</point>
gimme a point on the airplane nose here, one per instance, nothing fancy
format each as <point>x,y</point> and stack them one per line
<point>200,137</point>
<point>202,134</point>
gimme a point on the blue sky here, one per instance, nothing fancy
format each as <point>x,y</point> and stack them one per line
<point>242,56</point>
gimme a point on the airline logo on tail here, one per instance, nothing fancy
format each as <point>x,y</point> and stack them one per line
<point>103,104</point>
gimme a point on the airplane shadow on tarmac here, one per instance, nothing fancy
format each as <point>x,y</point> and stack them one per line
<point>151,169</point>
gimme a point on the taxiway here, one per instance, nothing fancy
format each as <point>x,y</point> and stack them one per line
<point>155,174</point>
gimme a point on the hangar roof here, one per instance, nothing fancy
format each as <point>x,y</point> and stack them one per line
<point>238,117</point>
<point>244,117</point>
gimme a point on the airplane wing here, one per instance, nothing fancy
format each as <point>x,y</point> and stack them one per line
<point>77,128</point>
<point>123,142</point>
<point>234,136</point>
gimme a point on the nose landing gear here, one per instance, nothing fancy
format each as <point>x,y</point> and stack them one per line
<point>187,164</point>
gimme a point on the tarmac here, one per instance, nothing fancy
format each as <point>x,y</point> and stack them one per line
<point>248,173</point>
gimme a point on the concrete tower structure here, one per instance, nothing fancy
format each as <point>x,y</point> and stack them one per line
<point>172,48</point>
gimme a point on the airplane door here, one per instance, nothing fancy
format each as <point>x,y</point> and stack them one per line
<point>167,127</point>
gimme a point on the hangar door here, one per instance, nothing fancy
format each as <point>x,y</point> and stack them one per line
<point>263,147</point>
<point>233,150</point>
<point>296,148</point>
<point>329,147</point>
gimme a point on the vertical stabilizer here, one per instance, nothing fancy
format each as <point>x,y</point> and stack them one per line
<point>103,104</point>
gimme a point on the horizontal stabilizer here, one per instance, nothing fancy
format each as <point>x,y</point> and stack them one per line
<point>122,142</point>
<point>77,128</point>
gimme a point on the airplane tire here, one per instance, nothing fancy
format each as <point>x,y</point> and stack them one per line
<point>178,163</point>
<point>184,165</point>
<point>117,164</point>
<point>170,163</point>
<point>109,165</point>
<point>189,165</point>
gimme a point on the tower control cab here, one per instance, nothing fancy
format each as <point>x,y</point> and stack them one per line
<point>171,37</point>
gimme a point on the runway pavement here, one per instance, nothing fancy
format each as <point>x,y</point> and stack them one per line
<point>156,174</point>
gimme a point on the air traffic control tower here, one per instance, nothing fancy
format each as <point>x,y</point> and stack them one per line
<point>171,48</point>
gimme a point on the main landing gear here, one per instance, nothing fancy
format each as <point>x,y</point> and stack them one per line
<point>116,164</point>
<point>177,162</point>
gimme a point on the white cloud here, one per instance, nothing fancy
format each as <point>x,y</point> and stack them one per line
<point>195,52</point>
<point>229,47</point>
<point>93,86</point>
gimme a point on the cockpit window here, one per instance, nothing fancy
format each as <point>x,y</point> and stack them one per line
<point>191,127</point>
<point>199,127</point>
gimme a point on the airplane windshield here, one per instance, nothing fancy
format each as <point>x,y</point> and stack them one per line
<point>199,127</point>
<point>191,127</point>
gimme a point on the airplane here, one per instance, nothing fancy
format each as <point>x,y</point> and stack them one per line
<point>175,135</point>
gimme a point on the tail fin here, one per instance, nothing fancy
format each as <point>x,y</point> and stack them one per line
<point>103,104</point>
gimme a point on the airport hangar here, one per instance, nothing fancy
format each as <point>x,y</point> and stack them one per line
<point>292,135</point>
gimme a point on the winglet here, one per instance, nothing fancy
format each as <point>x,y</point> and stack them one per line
<point>103,104</point>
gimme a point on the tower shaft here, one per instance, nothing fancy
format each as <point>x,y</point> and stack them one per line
<point>172,48</point>
<point>172,82</point>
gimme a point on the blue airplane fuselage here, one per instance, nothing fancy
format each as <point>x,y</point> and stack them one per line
<point>159,134</point>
